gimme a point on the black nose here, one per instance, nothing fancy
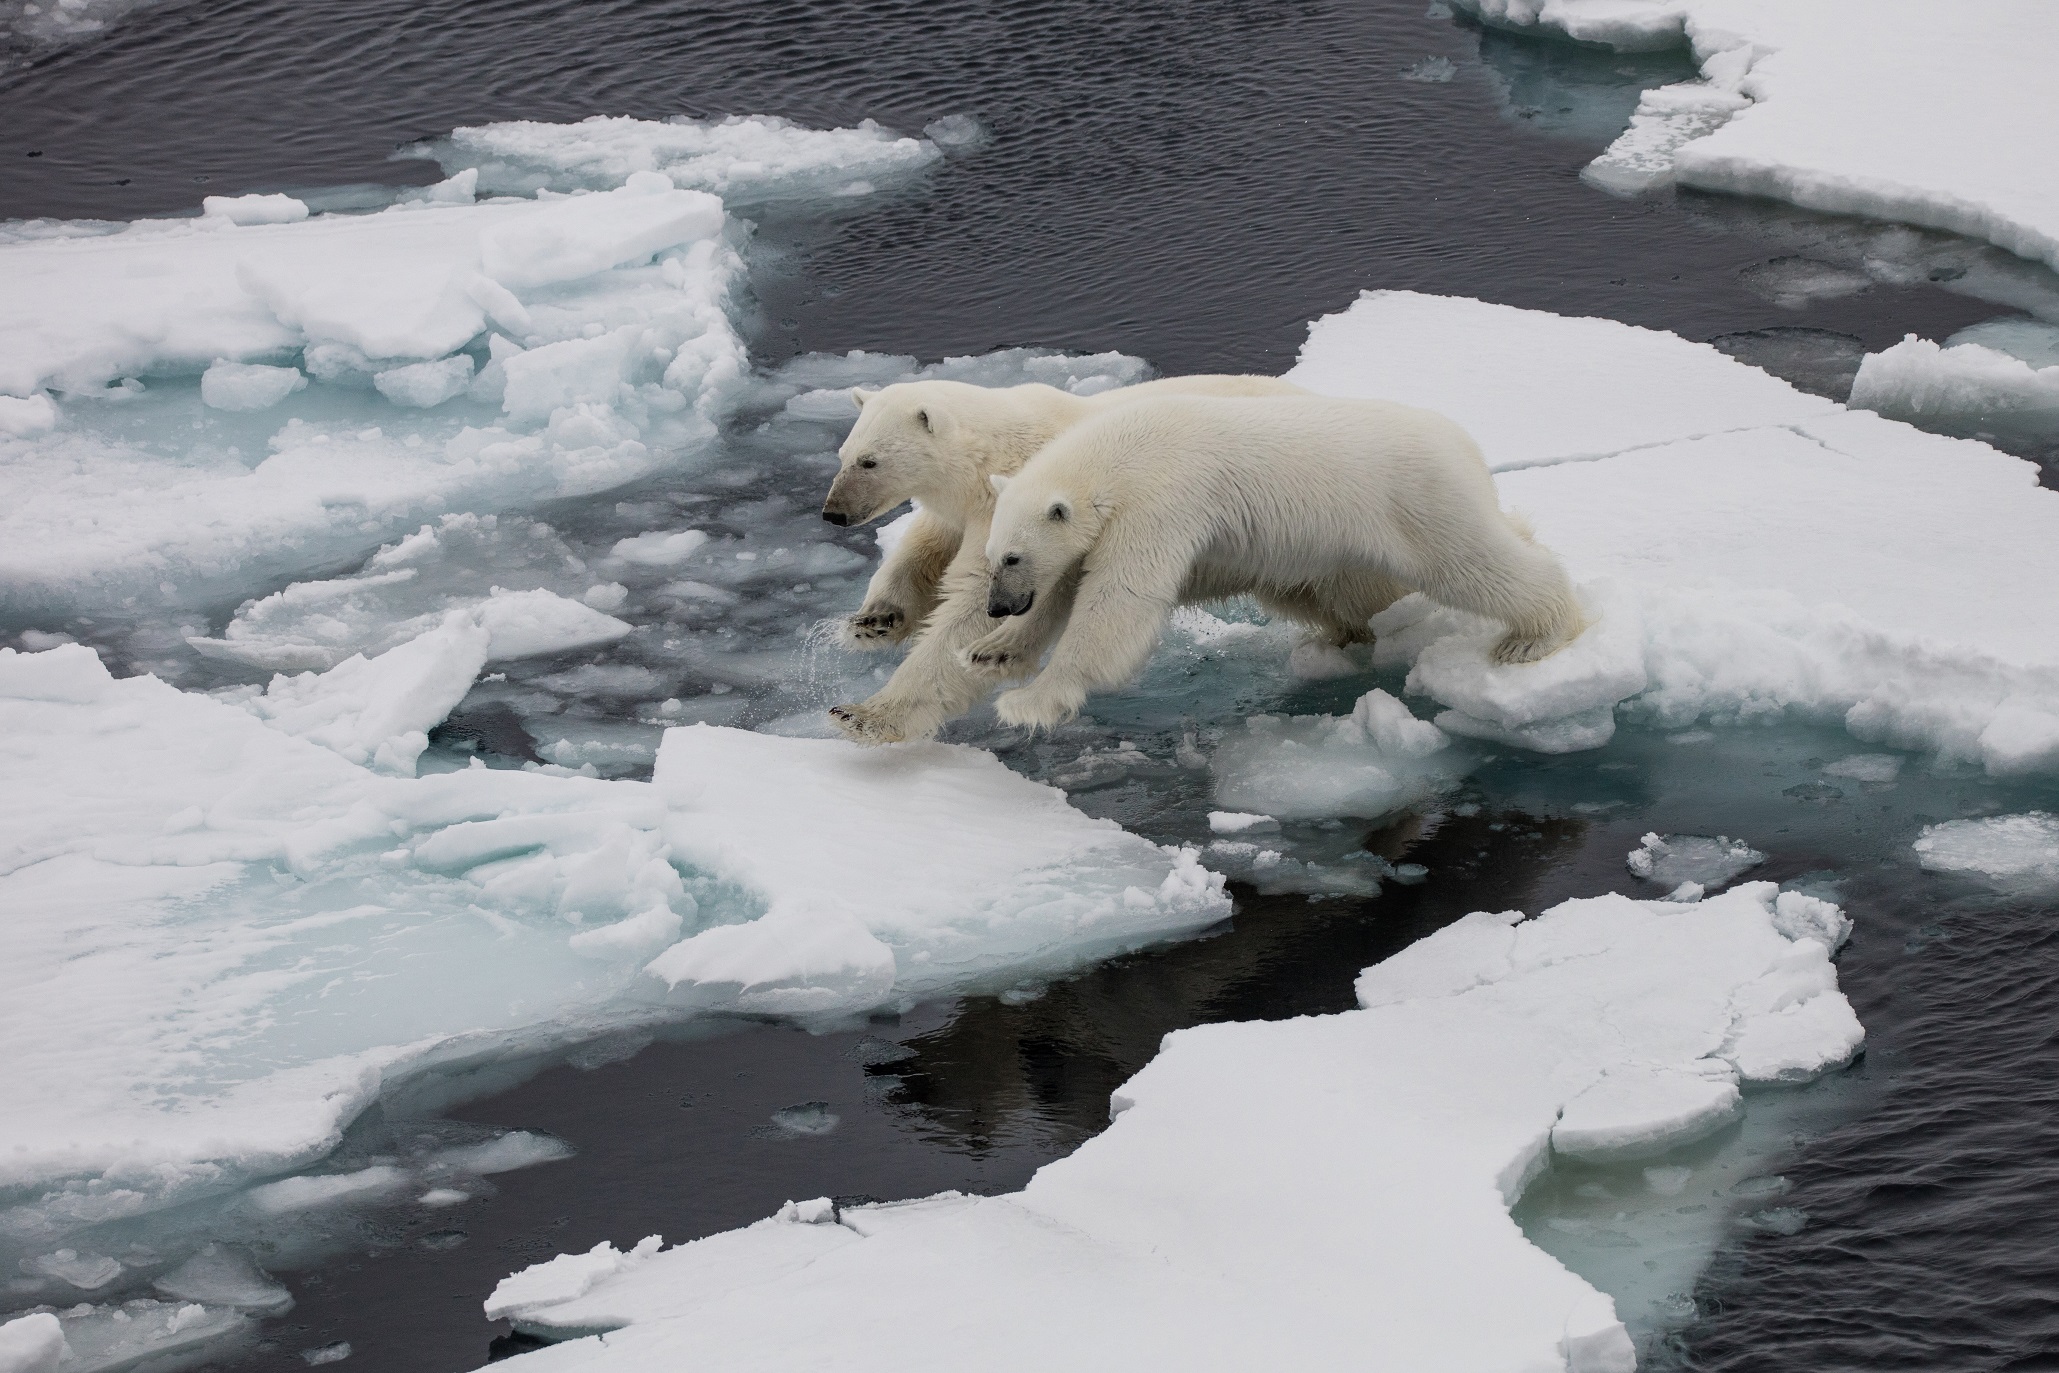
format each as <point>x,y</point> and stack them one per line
<point>999,608</point>
<point>836,517</point>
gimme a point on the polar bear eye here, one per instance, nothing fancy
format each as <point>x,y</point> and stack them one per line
<point>1012,560</point>
<point>868,463</point>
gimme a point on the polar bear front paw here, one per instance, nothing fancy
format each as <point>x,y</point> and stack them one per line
<point>1038,706</point>
<point>867,724</point>
<point>876,626</point>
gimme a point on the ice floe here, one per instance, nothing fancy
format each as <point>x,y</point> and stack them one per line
<point>1255,1172</point>
<point>2012,851</point>
<point>1772,553</point>
<point>1812,104</point>
<point>745,159</point>
<point>226,937</point>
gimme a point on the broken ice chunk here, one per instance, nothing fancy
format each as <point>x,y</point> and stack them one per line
<point>22,417</point>
<point>1673,859</point>
<point>516,1149</point>
<point>1236,822</point>
<point>248,386</point>
<point>808,1118</point>
<point>222,1277</point>
<point>819,1211</point>
<point>659,549</point>
<point>324,1189</point>
<point>1867,767</point>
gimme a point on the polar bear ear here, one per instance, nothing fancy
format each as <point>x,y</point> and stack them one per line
<point>998,482</point>
<point>1060,511</point>
<point>861,395</point>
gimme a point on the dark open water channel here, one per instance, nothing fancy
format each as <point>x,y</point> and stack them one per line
<point>1191,183</point>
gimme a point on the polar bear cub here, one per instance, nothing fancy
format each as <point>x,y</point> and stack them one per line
<point>1300,501</point>
<point>939,443</point>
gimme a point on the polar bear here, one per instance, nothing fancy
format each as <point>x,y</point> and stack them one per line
<point>1316,506</point>
<point>939,443</point>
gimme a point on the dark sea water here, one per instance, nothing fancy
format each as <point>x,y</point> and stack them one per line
<point>1190,183</point>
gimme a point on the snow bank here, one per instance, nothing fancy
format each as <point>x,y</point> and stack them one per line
<point>1904,110</point>
<point>191,893</point>
<point>1783,555</point>
<point>1283,1194</point>
<point>745,159</point>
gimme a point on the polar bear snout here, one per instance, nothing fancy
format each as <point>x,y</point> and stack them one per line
<point>835,517</point>
<point>1001,604</point>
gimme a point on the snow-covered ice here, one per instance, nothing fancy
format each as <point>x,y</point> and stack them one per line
<point>1903,110</point>
<point>1282,1194</point>
<point>204,882</point>
<point>1773,552</point>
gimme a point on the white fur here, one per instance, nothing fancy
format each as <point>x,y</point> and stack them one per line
<point>1325,510</point>
<point>940,443</point>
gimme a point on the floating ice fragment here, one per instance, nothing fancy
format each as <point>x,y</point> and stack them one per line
<point>1866,767</point>
<point>1667,1180</point>
<point>2031,341</point>
<point>438,1197</point>
<point>1670,860</point>
<point>2011,851</point>
<point>88,1272</point>
<point>1369,763</point>
<point>327,1353</point>
<point>217,1276</point>
<point>808,1118</point>
<point>818,1211</point>
<point>248,386</point>
<point>1312,660</point>
<point>516,1149</point>
<point>659,549</point>
<point>324,1189</point>
<point>254,209</point>
<point>1238,822</point>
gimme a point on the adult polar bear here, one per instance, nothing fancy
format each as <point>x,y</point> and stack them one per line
<point>939,443</point>
<point>1300,501</point>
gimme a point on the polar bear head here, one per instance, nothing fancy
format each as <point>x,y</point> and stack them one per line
<point>905,445</point>
<point>1043,527</point>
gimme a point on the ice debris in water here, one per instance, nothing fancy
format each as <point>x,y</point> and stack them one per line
<point>135,1334</point>
<point>2011,851</point>
<point>1866,767</point>
<point>33,1343</point>
<point>1828,133</point>
<point>1432,69</point>
<point>1213,1221</point>
<point>808,1118</point>
<point>218,1276</point>
<point>1369,763</point>
<point>248,385</point>
<point>475,913</point>
<point>746,159</point>
<point>1613,440</point>
<point>1672,859</point>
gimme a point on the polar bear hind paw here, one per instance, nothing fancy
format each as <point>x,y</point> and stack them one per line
<point>867,724</point>
<point>1035,707</point>
<point>876,626</point>
<point>1525,648</point>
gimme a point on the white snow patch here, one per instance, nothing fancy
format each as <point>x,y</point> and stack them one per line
<point>1218,1218</point>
